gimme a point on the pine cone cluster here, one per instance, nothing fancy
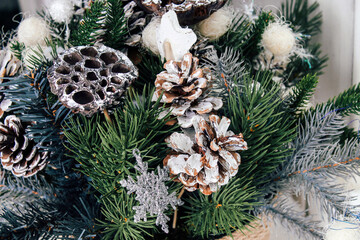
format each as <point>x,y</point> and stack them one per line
<point>18,153</point>
<point>211,160</point>
<point>182,87</point>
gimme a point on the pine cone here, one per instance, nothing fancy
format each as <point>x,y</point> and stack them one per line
<point>182,85</point>
<point>189,11</point>
<point>18,153</point>
<point>9,64</point>
<point>136,19</point>
<point>211,161</point>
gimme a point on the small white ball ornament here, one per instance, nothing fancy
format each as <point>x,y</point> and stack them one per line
<point>60,10</point>
<point>278,39</point>
<point>33,31</point>
<point>149,36</point>
<point>340,230</point>
<point>217,24</point>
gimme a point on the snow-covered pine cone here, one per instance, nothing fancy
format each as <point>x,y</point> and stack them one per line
<point>182,87</point>
<point>9,64</point>
<point>211,160</point>
<point>18,153</point>
<point>136,19</point>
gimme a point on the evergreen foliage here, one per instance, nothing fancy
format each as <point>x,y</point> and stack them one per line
<point>90,27</point>
<point>307,20</point>
<point>223,212</point>
<point>302,93</point>
<point>115,24</point>
<point>347,102</point>
<point>104,151</point>
<point>257,112</point>
<point>245,36</point>
<point>17,48</point>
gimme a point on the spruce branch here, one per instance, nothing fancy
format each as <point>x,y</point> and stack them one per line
<point>115,24</point>
<point>104,151</point>
<point>228,69</point>
<point>347,102</point>
<point>90,27</point>
<point>302,93</point>
<point>257,112</point>
<point>223,212</point>
<point>304,17</point>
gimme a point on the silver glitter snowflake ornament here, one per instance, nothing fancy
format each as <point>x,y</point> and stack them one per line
<point>151,193</point>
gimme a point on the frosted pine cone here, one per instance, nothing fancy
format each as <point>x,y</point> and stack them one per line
<point>9,64</point>
<point>183,85</point>
<point>18,153</point>
<point>211,160</point>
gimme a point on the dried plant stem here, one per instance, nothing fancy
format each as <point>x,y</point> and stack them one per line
<point>169,55</point>
<point>176,210</point>
<point>107,116</point>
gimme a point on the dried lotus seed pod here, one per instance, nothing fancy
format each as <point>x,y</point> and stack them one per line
<point>89,79</point>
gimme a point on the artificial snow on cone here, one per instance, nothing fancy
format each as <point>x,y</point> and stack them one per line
<point>189,11</point>
<point>9,64</point>
<point>18,153</point>
<point>136,19</point>
<point>211,160</point>
<point>182,87</point>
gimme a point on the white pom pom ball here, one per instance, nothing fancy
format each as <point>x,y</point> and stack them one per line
<point>278,39</point>
<point>61,10</point>
<point>217,24</point>
<point>149,36</point>
<point>343,230</point>
<point>33,31</point>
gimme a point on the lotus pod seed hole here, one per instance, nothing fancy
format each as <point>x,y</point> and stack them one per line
<point>83,97</point>
<point>101,94</point>
<point>109,58</point>
<point>78,69</point>
<point>91,63</point>
<point>63,81</point>
<point>120,68</point>
<point>90,52</point>
<point>72,58</point>
<point>111,89</point>
<point>91,76</point>
<point>75,78</point>
<point>104,72</point>
<point>69,89</point>
<point>103,83</point>
<point>63,70</point>
<point>116,80</point>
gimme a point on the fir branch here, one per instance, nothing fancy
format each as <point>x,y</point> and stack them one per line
<point>91,26</point>
<point>149,67</point>
<point>115,24</point>
<point>228,71</point>
<point>257,112</point>
<point>222,212</point>
<point>302,93</point>
<point>317,133</point>
<point>17,48</point>
<point>104,151</point>
<point>304,18</point>
<point>346,103</point>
